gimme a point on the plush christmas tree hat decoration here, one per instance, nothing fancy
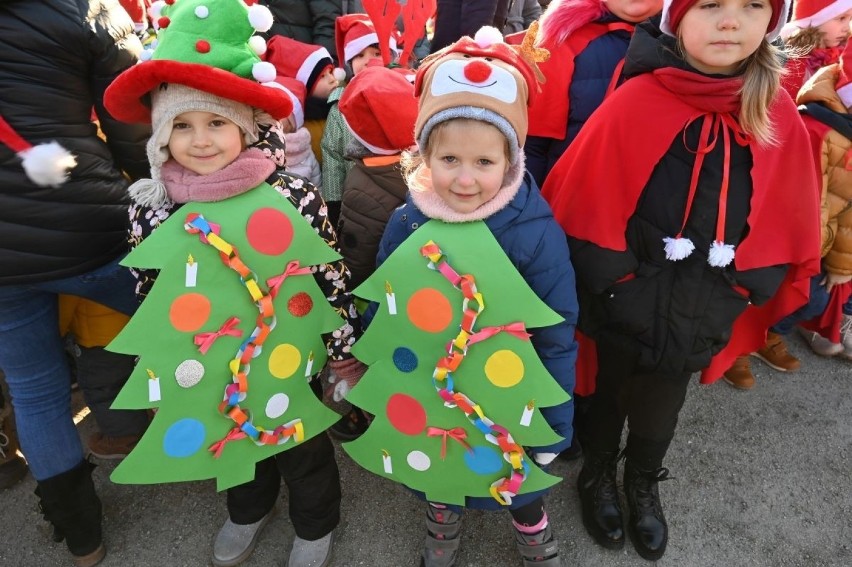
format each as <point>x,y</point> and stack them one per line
<point>45,164</point>
<point>208,45</point>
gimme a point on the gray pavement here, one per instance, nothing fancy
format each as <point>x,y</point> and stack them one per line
<point>762,478</point>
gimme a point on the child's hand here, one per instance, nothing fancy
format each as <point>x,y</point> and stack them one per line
<point>830,280</point>
<point>344,375</point>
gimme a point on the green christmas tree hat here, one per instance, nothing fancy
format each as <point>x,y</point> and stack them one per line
<point>208,45</point>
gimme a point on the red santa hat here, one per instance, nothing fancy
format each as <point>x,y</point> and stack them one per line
<point>301,61</point>
<point>379,108</point>
<point>844,78</point>
<point>353,33</point>
<point>674,10</point>
<point>814,13</point>
<point>297,93</point>
<point>45,164</point>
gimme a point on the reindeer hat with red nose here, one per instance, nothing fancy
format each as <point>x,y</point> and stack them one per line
<point>479,78</point>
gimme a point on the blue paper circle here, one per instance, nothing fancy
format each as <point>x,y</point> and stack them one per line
<point>184,438</point>
<point>405,359</point>
<point>483,460</point>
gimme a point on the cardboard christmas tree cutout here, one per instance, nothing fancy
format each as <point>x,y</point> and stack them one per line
<point>453,380</point>
<point>227,340</point>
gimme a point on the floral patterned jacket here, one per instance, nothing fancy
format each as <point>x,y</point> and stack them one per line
<point>332,278</point>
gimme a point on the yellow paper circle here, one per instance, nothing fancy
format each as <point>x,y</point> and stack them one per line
<point>284,361</point>
<point>504,368</point>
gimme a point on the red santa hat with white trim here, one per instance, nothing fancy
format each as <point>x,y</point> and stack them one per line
<point>674,10</point>
<point>379,108</point>
<point>297,93</point>
<point>304,62</point>
<point>814,13</point>
<point>353,33</point>
<point>45,164</point>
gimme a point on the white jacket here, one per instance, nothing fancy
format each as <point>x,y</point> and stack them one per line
<point>300,157</point>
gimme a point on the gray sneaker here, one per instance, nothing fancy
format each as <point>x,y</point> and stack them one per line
<point>235,542</point>
<point>443,531</point>
<point>316,553</point>
<point>819,344</point>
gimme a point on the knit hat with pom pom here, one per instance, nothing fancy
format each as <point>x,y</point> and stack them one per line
<point>480,78</point>
<point>207,45</point>
<point>44,164</point>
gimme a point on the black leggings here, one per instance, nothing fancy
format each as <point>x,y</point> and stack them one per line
<point>313,482</point>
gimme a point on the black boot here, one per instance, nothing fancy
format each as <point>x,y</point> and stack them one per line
<point>599,499</point>
<point>69,502</point>
<point>648,528</point>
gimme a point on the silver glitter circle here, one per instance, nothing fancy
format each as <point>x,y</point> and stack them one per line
<point>189,373</point>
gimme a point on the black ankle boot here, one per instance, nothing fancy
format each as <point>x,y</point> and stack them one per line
<point>648,528</point>
<point>599,499</point>
<point>69,502</point>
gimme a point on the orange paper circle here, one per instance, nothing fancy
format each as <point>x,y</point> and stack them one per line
<point>189,312</point>
<point>429,310</point>
<point>269,231</point>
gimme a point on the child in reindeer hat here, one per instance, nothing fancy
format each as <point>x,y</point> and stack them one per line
<point>213,107</point>
<point>471,125</point>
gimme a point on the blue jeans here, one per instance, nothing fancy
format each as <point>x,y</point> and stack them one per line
<point>32,355</point>
<point>847,308</point>
<point>816,304</point>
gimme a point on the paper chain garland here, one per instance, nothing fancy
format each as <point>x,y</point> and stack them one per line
<point>237,391</point>
<point>504,489</point>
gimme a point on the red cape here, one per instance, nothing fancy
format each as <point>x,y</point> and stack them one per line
<point>617,151</point>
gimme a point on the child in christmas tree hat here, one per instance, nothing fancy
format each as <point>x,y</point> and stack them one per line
<point>471,125</point>
<point>214,108</point>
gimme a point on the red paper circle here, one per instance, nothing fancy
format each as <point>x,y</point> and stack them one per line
<point>202,46</point>
<point>269,231</point>
<point>300,304</point>
<point>406,414</point>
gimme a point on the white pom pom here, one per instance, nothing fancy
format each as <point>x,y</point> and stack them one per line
<point>341,390</point>
<point>146,55</point>
<point>202,12</point>
<point>156,10</point>
<point>487,36</point>
<point>149,193</point>
<point>339,74</point>
<point>257,44</point>
<point>260,17</point>
<point>721,254</point>
<point>47,164</point>
<point>263,72</point>
<point>678,248</point>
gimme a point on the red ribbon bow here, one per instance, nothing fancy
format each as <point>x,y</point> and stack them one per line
<point>457,433</point>
<point>292,269</point>
<point>518,330</point>
<point>233,435</point>
<point>205,340</point>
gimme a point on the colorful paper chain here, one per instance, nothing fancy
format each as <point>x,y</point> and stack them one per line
<point>504,489</point>
<point>240,366</point>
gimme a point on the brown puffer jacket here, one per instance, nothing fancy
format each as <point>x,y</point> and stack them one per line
<point>836,167</point>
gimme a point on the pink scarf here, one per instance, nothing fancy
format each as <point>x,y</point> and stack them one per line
<point>250,169</point>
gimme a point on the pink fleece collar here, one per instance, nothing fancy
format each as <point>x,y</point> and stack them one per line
<point>250,169</point>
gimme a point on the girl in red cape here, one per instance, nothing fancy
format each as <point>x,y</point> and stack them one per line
<point>693,224</point>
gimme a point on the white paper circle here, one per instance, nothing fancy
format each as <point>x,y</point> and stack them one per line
<point>277,405</point>
<point>189,373</point>
<point>419,461</point>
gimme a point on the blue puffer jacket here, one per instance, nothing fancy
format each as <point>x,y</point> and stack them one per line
<point>593,69</point>
<point>536,246</point>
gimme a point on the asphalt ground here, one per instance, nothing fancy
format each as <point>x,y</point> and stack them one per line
<point>761,478</point>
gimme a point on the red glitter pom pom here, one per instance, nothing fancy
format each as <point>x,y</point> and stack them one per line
<point>300,304</point>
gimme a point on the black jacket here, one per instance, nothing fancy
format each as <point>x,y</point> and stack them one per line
<point>677,315</point>
<point>58,58</point>
<point>308,21</point>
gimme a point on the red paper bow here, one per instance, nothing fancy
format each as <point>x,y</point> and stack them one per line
<point>457,433</point>
<point>205,340</point>
<point>518,330</point>
<point>292,269</point>
<point>233,435</point>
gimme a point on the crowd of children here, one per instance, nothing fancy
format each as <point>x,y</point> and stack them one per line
<point>651,148</point>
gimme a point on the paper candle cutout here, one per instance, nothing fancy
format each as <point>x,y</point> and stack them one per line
<point>451,375</point>
<point>191,271</point>
<point>233,347</point>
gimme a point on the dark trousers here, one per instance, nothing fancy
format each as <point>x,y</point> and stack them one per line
<point>650,402</point>
<point>313,483</point>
